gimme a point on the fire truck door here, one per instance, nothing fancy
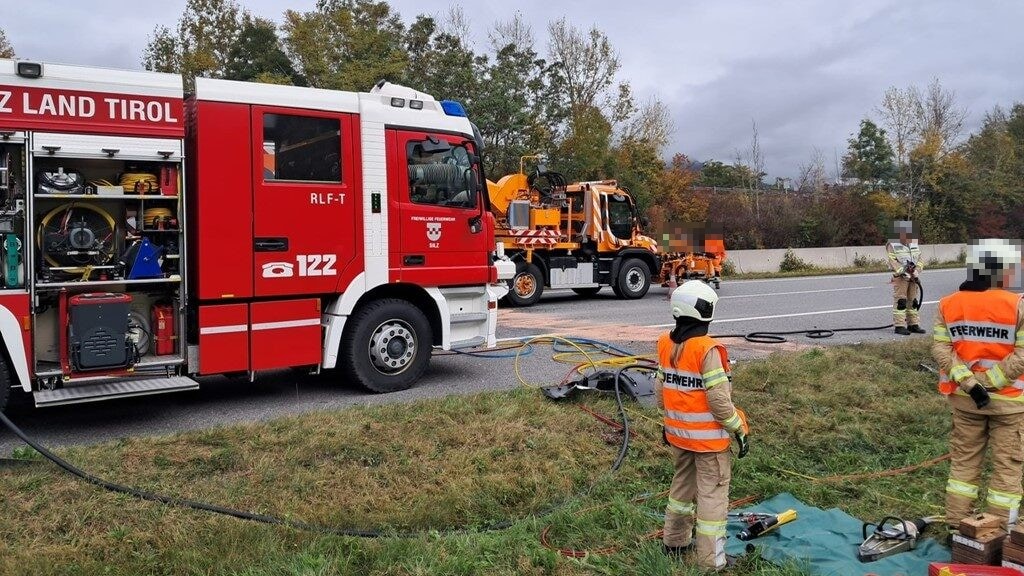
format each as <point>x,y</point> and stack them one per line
<point>304,224</point>
<point>436,188</point>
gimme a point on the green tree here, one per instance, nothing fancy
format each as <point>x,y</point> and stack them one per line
<point>346,44</point>
<point>718,174</point>
<point>445,66</point>
<point>869,156</point>
<point>257,55</point>
<point>6,50</point>
<point>200,46</point>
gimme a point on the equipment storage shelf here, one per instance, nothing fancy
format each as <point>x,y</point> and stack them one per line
<point>109,283</point>
<point>106,216</point>
<point>135,197</point>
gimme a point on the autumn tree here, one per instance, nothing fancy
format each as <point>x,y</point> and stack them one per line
<point>346,44</point>
<point>6,50</point>
<point>201,43</point>
<point>812,176</point>
<point>515,110</point>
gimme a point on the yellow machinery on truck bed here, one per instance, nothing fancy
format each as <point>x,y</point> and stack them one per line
<point>581,236</point>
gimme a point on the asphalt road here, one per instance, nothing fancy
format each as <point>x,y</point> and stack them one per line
<point>745,306</point>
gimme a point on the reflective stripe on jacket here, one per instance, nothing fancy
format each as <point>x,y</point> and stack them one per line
<point>689,422</point>
<point>982,329</point>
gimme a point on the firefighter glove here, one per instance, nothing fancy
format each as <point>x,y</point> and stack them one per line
<point>744,442</point>
<point>979,395</point>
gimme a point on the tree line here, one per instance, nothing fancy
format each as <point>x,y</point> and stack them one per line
<point>566,98</point>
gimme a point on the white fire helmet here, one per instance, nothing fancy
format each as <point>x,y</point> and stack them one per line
<point>694,299</point>
<point>993,258</point>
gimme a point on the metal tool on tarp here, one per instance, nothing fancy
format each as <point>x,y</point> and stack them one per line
<point>890,536</point>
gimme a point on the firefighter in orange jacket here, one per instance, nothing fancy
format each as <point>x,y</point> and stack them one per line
<point>979,347</point>
<point>700,420</point>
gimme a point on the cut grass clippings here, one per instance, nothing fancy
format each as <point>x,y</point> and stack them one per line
<point>472,461</point>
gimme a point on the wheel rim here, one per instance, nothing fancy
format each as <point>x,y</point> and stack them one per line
<point>525,285</point>
<point>392,347</point>
<point>634,280</point>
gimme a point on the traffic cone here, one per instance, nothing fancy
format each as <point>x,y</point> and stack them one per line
<point>672,285</point>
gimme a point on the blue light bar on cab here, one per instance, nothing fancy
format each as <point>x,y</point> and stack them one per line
<point>453,108</point>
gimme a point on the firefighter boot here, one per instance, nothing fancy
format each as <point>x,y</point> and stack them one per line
<point>678,536</point>
<point>714,470</point>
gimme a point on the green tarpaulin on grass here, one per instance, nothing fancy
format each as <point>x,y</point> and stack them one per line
<point>826,541</point>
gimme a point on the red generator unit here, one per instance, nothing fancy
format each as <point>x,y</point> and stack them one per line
<point>98,331</point>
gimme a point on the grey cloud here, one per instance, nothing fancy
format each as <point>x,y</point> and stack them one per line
<point>806,71</point>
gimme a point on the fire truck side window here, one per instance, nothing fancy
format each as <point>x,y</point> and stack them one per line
<point>301,148</point>
<point>442,177</point>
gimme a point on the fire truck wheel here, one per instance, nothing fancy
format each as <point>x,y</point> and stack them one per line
<point>634,279</point>
<point>526,286</point>
<point>587,292</point>
<point>5,383</point>
<point>388,347</point>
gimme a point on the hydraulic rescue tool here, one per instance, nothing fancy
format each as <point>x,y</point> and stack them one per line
<point>890,536</point>
<point>763,523</point>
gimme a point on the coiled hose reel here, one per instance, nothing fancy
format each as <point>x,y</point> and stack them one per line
<point>77,234</point>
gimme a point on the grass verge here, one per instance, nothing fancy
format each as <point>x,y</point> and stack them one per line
<point>471,461</point>
<point>814,271</point>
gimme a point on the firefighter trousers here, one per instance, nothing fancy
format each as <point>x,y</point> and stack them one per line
<point>699,498</point>
<point>972,433</point>
<point>905,294</point>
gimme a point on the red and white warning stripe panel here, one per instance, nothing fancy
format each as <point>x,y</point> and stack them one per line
<point>541,236</point>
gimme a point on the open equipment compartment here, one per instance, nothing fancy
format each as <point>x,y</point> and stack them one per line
<point>107,236</point>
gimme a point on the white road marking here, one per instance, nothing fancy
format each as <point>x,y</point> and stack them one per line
<point>800,292</point>
<point>730,320</point>
<point>794,315</point>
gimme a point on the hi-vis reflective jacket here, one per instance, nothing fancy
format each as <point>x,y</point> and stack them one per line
<point>982,328</point>
<point>901,254</point>
<point>699,413</point>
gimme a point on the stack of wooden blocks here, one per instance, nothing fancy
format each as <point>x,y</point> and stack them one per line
<point>980,540</point>
<point>1013,549</point>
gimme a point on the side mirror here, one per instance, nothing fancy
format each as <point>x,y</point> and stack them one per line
<point>645,222</point>
<point>433,144</point>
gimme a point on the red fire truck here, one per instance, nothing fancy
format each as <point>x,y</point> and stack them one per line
<point>147,238</point>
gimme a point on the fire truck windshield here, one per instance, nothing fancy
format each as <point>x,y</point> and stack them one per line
<point>620,216</point>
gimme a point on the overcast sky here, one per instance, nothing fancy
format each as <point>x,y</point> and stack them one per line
<point>806,72</point>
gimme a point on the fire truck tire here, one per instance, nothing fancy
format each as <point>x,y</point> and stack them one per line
<point>5,383</point>
<point>634,279</point>
<point>526,287</point>
<point>388,347</point>
<point>587,292</point>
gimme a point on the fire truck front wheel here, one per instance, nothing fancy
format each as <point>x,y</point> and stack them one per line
<point>388,346</point>
<point>634,279</point>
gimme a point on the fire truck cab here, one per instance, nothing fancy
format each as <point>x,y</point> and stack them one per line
<point>147,238</point>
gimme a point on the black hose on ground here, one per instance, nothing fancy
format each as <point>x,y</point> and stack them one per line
<point>778,337</point>
<point>274,520</point>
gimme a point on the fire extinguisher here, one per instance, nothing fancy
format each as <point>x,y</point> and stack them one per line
<point>163,329</point>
